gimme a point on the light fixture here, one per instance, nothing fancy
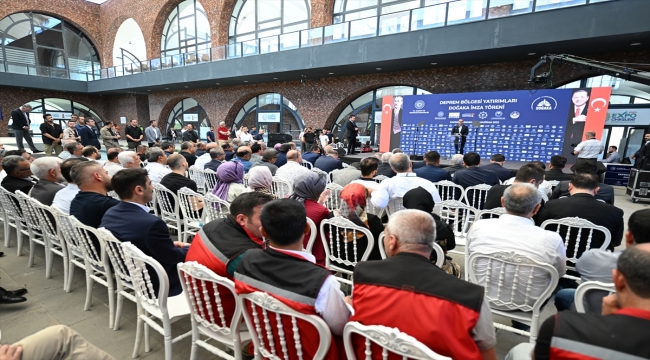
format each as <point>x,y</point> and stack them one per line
<point>378,68</point>
<point>275,78</point>
<point>245,80</point>
<point>635,44</point>
<point>531,53</point>
<point>331,73</point>
<point>434,63</point>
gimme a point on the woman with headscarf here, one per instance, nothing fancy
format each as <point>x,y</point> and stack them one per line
<point>229,181</point>
<point>353,208</point>
<point>309,188</point>
<point>260,180</point>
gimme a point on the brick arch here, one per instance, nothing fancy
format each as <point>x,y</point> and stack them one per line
<point>167,108</point>
<point>109,40</point>
<point>321,12</point>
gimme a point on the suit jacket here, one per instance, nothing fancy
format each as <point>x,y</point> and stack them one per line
<point>151,235</point>
<point>88,137</point>
<point>212,165</point>
<point>605,193</point>
<point>12,184</point>
<point>502,173</point>
<point>453,168</point>
<point>19,120</point>
<point>44,191</point>
<point>557,175</point>
<point>386,170</point>
<point>432,173</point>
<point>475,176</point>
<point>589,208</point>
<point>311,157</point>
<point>350,132</point>
<point>110,140</point>
<point>463,131</point>
<point>328,163</point>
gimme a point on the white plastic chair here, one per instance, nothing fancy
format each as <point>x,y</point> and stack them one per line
<point>334,234</point>
<point>152,305</point>
<point>12,207</point>
<point>32,225</point>
<point>334,200</point>
<point>330,176</point>
<point>245,179</point>
<point>475,196</point>
<point>553,183</point>
<point>379,178</point>
<point>312,235</point>
<point>307,164</point>
<point>440,254</point>
<point>587,286</point>
<point>53,239</point>
<point>508,278</point>
<point>211,180</point>
<point>191,205</point>
<point>72,244</point>
<point>571,230</point>
<point>198,176</point>
<point>449,190</point>
<point>168,204</point>
<point>394,205</point>
<point>214,208</point>
<point>203,289</point>
<point>281,188</point>
<point>113,194</point>
<point>459,216</point>
<point>284,338</point>
<point>491,213</point>
<point>389,340</point>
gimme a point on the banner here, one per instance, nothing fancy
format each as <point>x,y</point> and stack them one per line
<point>627,117</point>
<point>268,117</point>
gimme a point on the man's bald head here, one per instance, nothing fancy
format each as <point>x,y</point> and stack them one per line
<point>521,199</point>
<point>244,152</point>
<point>176,161</point>
<point>212,145</point>
<point>293,155</point>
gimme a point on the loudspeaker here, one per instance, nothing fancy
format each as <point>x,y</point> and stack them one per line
<point>416,157</point>
<point>278,138</point>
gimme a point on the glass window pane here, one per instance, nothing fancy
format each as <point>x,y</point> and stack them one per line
<point>338,6</point>
<point>285,15</point>
<point>17,34</point>
<point>400,7</point>
<point>428,17</point>
<point>54,104</point>
<point>358,4</point>
<point>186,28</point>
<point>246,19</point>
<point>294,11</point>
<point>51,38</point>
<point>641,101</point>
<point>50,57</point>
<point>269,24</point>
<point>294,28</point>
<point>619,99</point>
<point>46,21</point>
<point>268,10</point>
<point>202,28</point>
<point>500,8</point>
<point>361,14</point>
<point>554,4</point>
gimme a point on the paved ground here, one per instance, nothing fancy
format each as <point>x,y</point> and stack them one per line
<point>47,304</point>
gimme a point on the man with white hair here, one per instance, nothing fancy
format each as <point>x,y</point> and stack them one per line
<point>384,168</point>
<point>405,288</point>
<point>157,167</point>
<point>293,168</point>
<point>48,171</point>
<point>456,164</point>
<point>129,159</point>
<point>405,180</point>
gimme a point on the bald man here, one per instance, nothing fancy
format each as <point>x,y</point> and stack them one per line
<point>205,158</point>
<point>243,155</point>
<point>293,168</point>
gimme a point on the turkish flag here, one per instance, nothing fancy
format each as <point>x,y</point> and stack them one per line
<point>386,123</point>
<point>597,110</point>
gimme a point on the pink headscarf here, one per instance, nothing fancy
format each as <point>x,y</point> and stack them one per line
<point>259,177</point>
<point>227,173</point>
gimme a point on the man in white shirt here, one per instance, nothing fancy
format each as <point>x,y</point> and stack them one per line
<point>157,167</point>
<point>589,149</point>
<point>64,197</point>
<point>205,158</point>
<point>516,231</point>
<point>405,180</point>
<point>293,168</point>
<point>112,165</point>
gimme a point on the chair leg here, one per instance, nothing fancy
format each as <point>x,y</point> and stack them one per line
<point>19,240</point>
<point>168,341</point>
<point>32,246</point>
<point>147,337</point>
<point>66,269</point>
<point>195,337</point>
<point>7,229</point>
<point>138,331</point>
<point>111,303</point>
<point>118,309</point>
<point>89,289</point>
<point>49,258</point>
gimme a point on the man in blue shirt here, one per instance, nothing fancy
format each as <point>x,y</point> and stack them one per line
<point>312,155</point>
<point>329,162</point>
<point>243,155</point>
<point>432,171</point>
<point>210,135</point>
<point>496,165</point>
<point>474,175</point>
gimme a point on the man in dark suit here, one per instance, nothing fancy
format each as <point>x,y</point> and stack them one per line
<point>313,154</point>
<point>217,157</point>
<point>151,234</point>
<point>88,135</point>
<point>474,175</point>
<point>20,125</point>
<point>432,171</point>
<point>460,131</point>
<point>188,149</point>
<point>558,162</point>
<point>496,165</point>
<point>605,192</point>
<point>396,121</point>
<point>575,125</point>
<point>18,170</point>
<point>351,130</point>
<point>384,167</point>
<point>582,203</point>
<point>642,156</point>
<point>48,171</point>
<point>329,162</point>
<point>529,173</point>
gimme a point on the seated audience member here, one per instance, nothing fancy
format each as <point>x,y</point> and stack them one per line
<point>176,179</point>
<point>312,155</point>
<point>474,175</point>
<point>243,155</point>
<point>141,150</point>
<point>260,180</point>
<point>310,190</point>
<point>544,187</point>
<point>257,151</point>
<point>529,173</point>
<point>496,165</point>
<point>157,166</point>
<point>282,154</point>
<point>605,192</point>
<point>19,174</point>
<point>112,164</point>
<point>129,160</point>
<point>582,203</point>
<point>269,156</point>
<point>228,150</point>
<point>91,153</point>
<point>65,153</point>
<point>432,170</point>
<point>405,180</point>
<point>554,172</point>
<point>347,175</point>
<point>200,149</point>
<point>64,197</point>
<point>48,171</point>
<point>612,156</point>
<point>188,149</point>
<point>273,270</point>
<point>151,234</point>
<point>217,157</point>
<point>168,147</point>
<point>329,162</point>
<point>205,157</point>
<point>408,292</point>
<point>384,168</point>
<point>229,181</point>
<point>74,149</point>
<point>621,332</point>
<point>368,167</point>
<point>91,202</point>
<point>293,168</point>
<point>456,164</point>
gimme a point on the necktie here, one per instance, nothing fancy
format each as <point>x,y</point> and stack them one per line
<point>396,126</point>
<point>577,112</point>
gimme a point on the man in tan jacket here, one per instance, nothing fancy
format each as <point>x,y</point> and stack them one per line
<point>109,136</point>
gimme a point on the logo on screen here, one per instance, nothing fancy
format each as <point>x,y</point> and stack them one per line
<point>454,115</point>
<point>441,114</point>
<point>482,115</point>
<point>468,115</point>
<point>544,103</point>
<point>514,115</point>
<point>498,114</point>
<point>419,104</point>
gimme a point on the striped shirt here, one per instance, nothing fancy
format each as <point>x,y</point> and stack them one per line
<point>589,149</point>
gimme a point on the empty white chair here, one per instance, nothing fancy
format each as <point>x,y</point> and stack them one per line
<point>152,305</point>
<point>334,200</point>
<point>191,205</point>
<point>281,188</point>
<point>587,286</point>
<point>203,289</point>
<point>211,180</point>
<point>169,208</point>
<point>312,235</point>
<point>32,226</point>
<point>508,279</point>
<point>449,190</point>
<point>307,164</point>
<point>12,207</point>
<point>198,176</point>
<point>458,216</point>
<point>475,196</point>
<point>379,178</point>
<point>245,179</point>
<point>72,244</point>
<point>491,213</point>
<point>388,340</point>
<point>53,239</point>
<point>284,338</point>
<point>440,254</point>
<point>214,208</point>
<point>336,234</point>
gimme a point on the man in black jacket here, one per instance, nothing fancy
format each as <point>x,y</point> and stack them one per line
<point>18,171</point>
<point>88,135</point>
<point>496,165</point>
<point>20,125</point>
<point>133,134</point>
<point>190,135</point>
<point>351,133</point>
<point>558,162</point>
<point>605,192</point>
<point>460,131</point>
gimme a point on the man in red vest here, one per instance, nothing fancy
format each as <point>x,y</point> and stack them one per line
<point>291,275</point>
<point>407,291</point>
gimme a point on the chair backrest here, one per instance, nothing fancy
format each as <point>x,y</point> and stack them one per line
<point>214,208</point>
<point>335,234</point>
<point>191,204</point>
<point>87,237</point>
<point>577,234</point>
<point>307,164</point>
<point>167,202</point>
<point>387,340</point>
<point>281,188</point>
<point>47,222</point>
<point>136,262</point>
<point>395,205</point>
<point>508,279</point>
<point>379,178</point>
<point>449,190</point>
<point>27,209</point>
<point>334,200</point>
<point>67,231</point>
<point>211,180</point>
<point>198,176</point>
<point>475,195</point>
<point>203,290</point>
<point>440,254</point>
<point>7,203</point>
<point>491,213</point>
<point>312,235</point>
<point>275,329</point>
<point>587,286</point>
<point>330,176</point>
<point>245,179</point>
<point>115,253</point>
<point>113,194</point>
<point>459,216</point>
<point>12,204</point>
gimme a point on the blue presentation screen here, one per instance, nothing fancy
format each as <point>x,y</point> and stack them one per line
<point>522,125</point>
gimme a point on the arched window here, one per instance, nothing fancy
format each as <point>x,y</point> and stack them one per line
<point>253,19</point>
<point>61,110</point>
<point>186,30</point>
<point>188,112</point>
<point>271,112</point>
<point>348,10</point>
<point>367,109</point>
<point>39,44</point>
<point>129,46</point>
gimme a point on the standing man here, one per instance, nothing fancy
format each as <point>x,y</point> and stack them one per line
<point>52,135</point>
<point>88,135</point>
<point>641,157</point>
<point>133,134</point>
<point>153,133</point>
<point>210,135</point>
<point>352,131</point>
<point>253,130</point>
<point>589,149</point>
<point>191,135</point>
<point>395,135</point>
<point>222,131</point>
<point>109,136</point>
<point>613,156</point>
<point>71,132</point>
<point>259,136</point>
<point>460,131</point>
<point>20,125</point>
